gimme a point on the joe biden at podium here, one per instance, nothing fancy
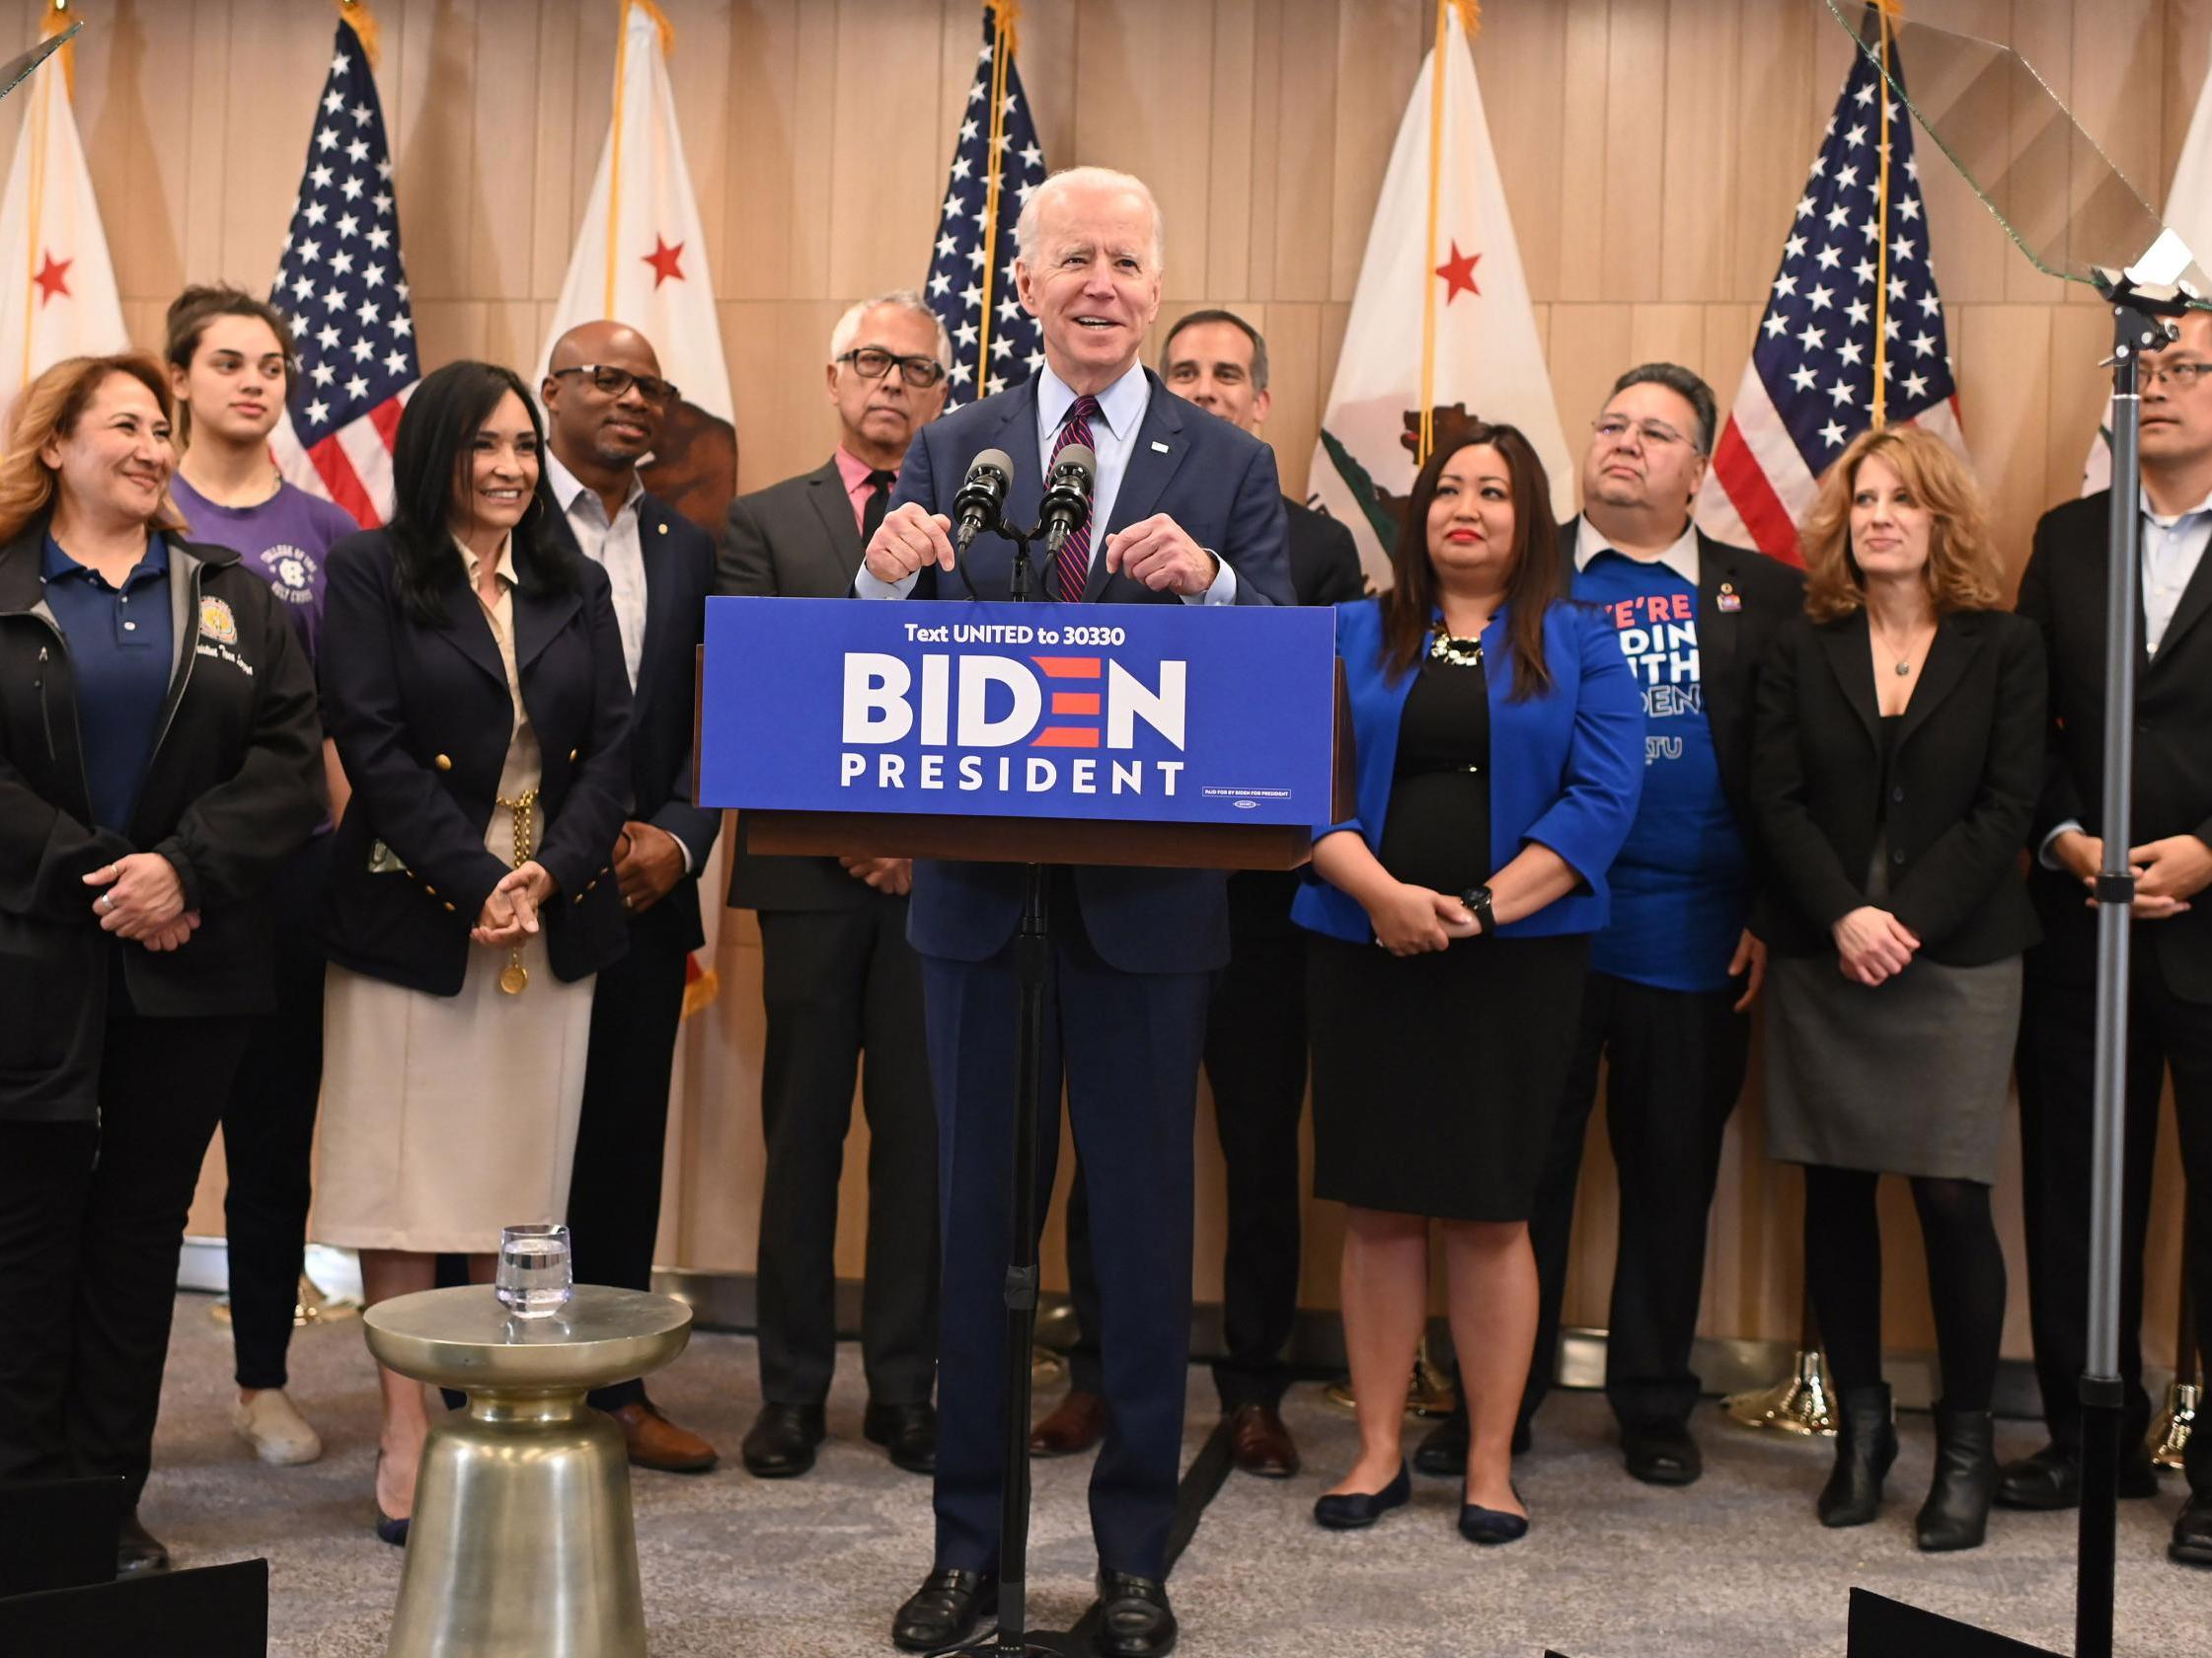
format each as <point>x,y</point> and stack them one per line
<point>1185,509</point>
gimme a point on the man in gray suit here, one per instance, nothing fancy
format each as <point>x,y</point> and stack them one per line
<point>838,977</point>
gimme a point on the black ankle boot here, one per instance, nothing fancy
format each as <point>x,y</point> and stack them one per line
<point>1956,1512</point>
<point>1865,1446</point>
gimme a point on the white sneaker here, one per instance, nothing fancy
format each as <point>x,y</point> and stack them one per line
<point>271,1424</point>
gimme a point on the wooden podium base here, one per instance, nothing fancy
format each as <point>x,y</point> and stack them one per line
<point>1022,839</point>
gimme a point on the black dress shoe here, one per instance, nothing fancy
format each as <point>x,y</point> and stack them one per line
<point>1351,1511</point>
<point>1661,1454</point>
<point>907,1431</point>
<point>138,1552</point>
<point>946,1611</point>
<point>780,1445</point>
<point>2192,1534</point>
<point>1442,1452</point>
<point>1133,1617</point>
<point>2053,1478</point>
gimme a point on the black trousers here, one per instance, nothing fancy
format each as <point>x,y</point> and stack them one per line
<point>2057,1089</point>
<point>1675,1065</point>
<point>1256,1063</point>
<point>839,983</point>
<point>614,1191</point>
<point>269,1132</point>
<point>92,1221</point>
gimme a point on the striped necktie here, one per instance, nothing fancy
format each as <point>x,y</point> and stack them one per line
<point>1071,569</point>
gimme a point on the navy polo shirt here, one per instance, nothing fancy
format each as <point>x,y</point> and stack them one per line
<point>119,655</point>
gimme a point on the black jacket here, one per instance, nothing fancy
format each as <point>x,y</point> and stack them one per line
<point>794,540</point>
<point>421,719</point>
<point>2062,592</point>
<point>1954,801</point>
<point>234,787</point>
<point>679,558</point>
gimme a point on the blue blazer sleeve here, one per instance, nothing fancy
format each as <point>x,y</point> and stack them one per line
<point>1603,770</point>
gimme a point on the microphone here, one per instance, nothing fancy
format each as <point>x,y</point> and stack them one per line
<point>982,494</point>
<point>1067,495</point>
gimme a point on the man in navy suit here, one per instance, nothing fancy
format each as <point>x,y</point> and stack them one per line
<point>604,401</point>
<point>1186,510</point>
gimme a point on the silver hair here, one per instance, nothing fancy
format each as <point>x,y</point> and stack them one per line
<point>1089,177</point>
<point>841,337</point>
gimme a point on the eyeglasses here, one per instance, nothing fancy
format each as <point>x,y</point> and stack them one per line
<point>873,362</point>
<point>1653,434</point>
<point>610,381</point>
<point>2181,376</point>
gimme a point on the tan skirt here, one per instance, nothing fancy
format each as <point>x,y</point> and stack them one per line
<point>445,1118</point>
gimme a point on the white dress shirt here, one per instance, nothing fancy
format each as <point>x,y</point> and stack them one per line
<point>1681,557</point>
<point>1114,439</point>
<point>617,547</point>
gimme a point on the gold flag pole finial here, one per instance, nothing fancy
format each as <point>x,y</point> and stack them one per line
<point>57,21</point>
<point>1009,14</point>
<point>363,23</point>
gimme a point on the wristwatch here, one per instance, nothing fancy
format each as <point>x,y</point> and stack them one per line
<point>1478,899</point>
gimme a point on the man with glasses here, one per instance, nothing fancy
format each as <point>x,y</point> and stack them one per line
<point>605,402</point>
<point>1675,971</point>
<point>2169,989</point>
<point>837,974</point>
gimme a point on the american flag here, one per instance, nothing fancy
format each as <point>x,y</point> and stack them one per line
<point>342,285</point>
<point>994,342</point>
<point>1848,272</point>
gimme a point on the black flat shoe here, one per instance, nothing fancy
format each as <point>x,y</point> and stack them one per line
<point>907,1431</point>
<point>946,1611</point>
<point>2192,1534</point>
<point>1661,1454</point>
<point>1351,1511</point>
<point>138,1552</point>
<point>1134,1620</point>
<point>781,1443</point>
<point>1491,1526</point>
<point>2053,1478</point>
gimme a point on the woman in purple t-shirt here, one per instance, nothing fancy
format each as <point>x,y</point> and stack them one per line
<point>230,365</point>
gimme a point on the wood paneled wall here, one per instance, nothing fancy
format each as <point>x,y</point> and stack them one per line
<point>1652,150</point>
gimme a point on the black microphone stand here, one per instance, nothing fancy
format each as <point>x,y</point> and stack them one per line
<point>1032,956</point>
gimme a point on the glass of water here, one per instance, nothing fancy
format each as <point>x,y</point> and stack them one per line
<point>535,1275</point>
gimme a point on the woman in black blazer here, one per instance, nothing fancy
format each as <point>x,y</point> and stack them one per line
<point>473,680</point>
<point>1898,754</point>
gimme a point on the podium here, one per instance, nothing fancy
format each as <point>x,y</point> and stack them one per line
<point>1034,734</point>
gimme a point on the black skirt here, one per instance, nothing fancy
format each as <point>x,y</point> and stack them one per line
<point>1436,1078</point>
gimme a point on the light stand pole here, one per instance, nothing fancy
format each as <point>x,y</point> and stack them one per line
<point>2140,313</point>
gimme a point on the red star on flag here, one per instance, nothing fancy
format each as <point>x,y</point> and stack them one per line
<point>663,258</point>
<point>1458,272</point>
<point>52,277</point>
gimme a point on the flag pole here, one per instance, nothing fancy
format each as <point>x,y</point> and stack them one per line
<point>363,22</point>
<point>1002,53</point>
<point>1428,266</point>
<point>1884,10</point>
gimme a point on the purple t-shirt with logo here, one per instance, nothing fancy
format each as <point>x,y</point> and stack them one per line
<point>284,540</point>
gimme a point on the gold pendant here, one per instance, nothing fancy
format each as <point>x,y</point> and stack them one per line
<point>514,978</point>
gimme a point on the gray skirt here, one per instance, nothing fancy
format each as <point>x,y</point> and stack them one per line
<point>1908,1076</point>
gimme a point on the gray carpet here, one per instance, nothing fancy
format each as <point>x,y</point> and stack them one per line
<point>1735,1567</point>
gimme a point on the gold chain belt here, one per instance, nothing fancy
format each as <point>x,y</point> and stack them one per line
<point>515,978</point>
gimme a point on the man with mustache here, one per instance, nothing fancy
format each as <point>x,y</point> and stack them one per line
<point>837,974</point>
<point>605,399</point>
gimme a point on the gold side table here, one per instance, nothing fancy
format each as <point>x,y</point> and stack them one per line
<point>522,1540</point>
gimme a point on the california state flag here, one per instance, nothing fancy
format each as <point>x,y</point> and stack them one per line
<point>1441,322</point>
<point>58,290</point>
<point>640,259</point>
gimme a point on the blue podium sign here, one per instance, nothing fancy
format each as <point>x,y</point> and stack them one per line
<point>1153,714</point>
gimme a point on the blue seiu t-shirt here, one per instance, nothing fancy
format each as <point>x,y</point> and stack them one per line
<point>1680,887</point>
<point>284,540</point>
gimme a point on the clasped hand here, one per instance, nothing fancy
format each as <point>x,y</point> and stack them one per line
<point>143,901</point>
<point>1156,551</point>
<point>894,875</point>
<point>1873,946</point>
<point>510,912</point>
<point>2168,873</point>
<point>1413,920</point>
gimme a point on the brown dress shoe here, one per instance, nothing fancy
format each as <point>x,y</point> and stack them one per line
<point>1077,1422</point>
<point>656,1443</point>
<point>1260,1443</point>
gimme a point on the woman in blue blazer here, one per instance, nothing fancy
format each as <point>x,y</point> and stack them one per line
<point>473,680</point>
<point>1500,742</point>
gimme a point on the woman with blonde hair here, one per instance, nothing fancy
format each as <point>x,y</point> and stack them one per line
<point>160,759</point>
<point>1899,753</point>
